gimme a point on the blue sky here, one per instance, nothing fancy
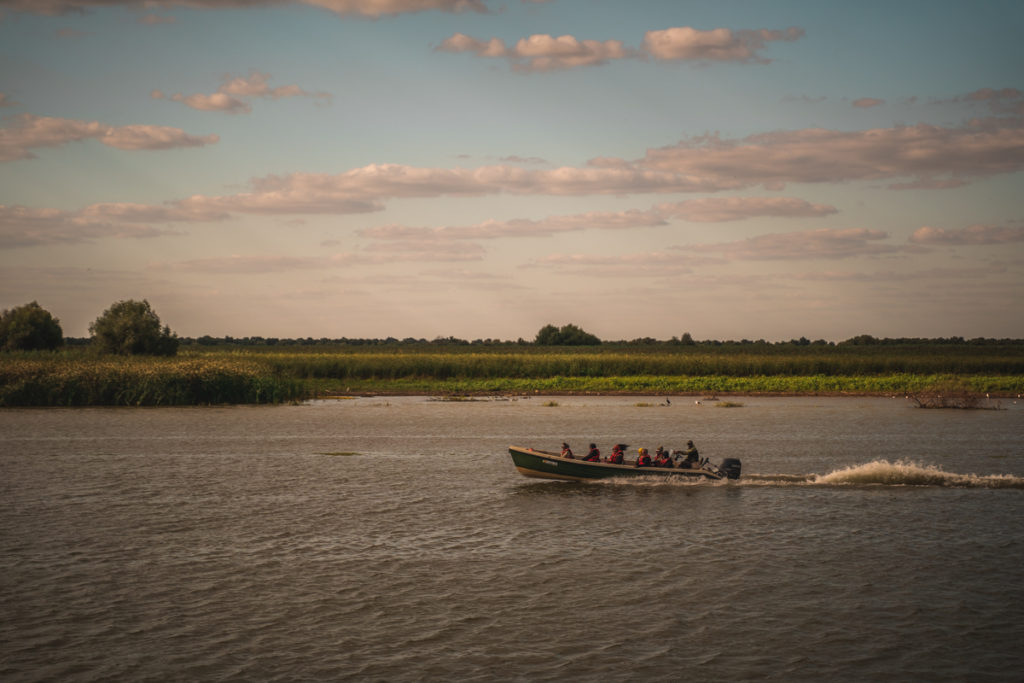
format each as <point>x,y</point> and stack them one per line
<point>373,168</point>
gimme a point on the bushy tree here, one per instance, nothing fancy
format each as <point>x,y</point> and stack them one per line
<point>29,328</point>
<point>567,335</point>
<point>132,327</point>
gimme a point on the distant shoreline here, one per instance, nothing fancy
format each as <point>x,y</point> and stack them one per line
<point>216,376</point>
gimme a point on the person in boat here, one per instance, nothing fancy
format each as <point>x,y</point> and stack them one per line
<point>594,455</point>
<point>643,458</point>
<point>692,458</point>
<point>566,451</point>
<point>662,459</point>
<point>617,456</point>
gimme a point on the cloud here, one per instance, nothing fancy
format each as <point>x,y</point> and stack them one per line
<point>22,226</point>
<point>31,131</point>
<point>520,227</point>
<point>644,265</point>
<point>29,227</point>
<point>359,8</point>
<point>710,210</point>
<point>214,102</point>
<point>989,94</point>
<point>867,102</point>
<point>721,209</point>
<point>542,52</point>
<point>420,250</point>
<point>972,235</point>
<point>812,244</point>
<point>226,98</point>
<point>70,33</point>
<point>154,19</point>
<point>890,276</point>
<point>238,264</point>
<point>928,153</point>
<point>684,43</point>
<point>5,101</point>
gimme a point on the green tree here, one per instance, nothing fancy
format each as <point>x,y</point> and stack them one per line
<point>29,328</point>
<point>132,327</point>
<point>567,335</point>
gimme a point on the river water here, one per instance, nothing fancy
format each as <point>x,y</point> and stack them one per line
<point>391,539</point>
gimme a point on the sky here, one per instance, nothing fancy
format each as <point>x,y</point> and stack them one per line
<point>482,168</point>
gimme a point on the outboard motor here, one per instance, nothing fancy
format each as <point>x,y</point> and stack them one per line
<point>730,467</point>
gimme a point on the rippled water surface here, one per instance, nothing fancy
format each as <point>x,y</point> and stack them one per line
<point>391,539</point>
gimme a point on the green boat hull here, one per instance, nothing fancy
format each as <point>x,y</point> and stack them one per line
<point>544,465</point>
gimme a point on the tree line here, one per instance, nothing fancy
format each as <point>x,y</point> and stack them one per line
<point>127,328</point>
<point>132,327</point>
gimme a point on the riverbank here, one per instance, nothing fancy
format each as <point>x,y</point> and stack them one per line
<point>233,376</point>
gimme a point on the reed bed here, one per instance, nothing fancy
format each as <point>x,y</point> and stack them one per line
<point>66,380</point>
<point>883,385</point>
<point>203,375</point>
<point>457,364</point>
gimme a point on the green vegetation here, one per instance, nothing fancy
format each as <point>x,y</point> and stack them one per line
<point>85,379</point>
<point>29,328</point>
<point>225,373</point>
<point>130,328</point>
<point>567,335</point>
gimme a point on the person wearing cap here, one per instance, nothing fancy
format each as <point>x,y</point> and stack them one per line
<point>643,459</point>
<point>566,451</point>
<point>692,458</point>
<point>593,455</point>
<point>662,459</point>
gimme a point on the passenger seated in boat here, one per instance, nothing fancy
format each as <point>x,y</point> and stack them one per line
<point>662,459</point>
<point>566,451</point>
<point>594,455</point>
<point>692,459</point>
<point>616,457</point>
<point>643,459</point>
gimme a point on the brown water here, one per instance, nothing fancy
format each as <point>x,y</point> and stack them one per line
<point>391,539</point>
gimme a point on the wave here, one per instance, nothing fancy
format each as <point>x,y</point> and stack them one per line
<point>875,473</point>
<point>907,473</point>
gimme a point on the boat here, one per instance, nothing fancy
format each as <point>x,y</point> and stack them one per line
<point>546,465</point>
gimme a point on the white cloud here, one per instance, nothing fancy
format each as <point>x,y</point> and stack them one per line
<point>926,152</point>
<point>521,227</point>
<point>543,52</point>
<point>721,209</point>
<point>226,99</point>
<point>154,19</point>
<point>29,131</point>
<point>359,8</point>
<point>867,102</point>
<point>811,244</point>
<point>972,235</point>
<point>22,226</point>
<point>684,43</point>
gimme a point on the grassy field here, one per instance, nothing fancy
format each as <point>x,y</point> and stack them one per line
<point>275,374</point>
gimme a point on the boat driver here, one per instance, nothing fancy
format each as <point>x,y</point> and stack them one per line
<point>692,459</point>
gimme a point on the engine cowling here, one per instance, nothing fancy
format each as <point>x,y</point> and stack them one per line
<point>731,468</point>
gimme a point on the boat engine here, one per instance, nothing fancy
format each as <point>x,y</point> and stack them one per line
<point>730,467</point>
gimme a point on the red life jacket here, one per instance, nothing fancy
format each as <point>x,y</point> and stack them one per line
<point>616,458</point>
<point>643,461</point>
<point>593,456</point>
